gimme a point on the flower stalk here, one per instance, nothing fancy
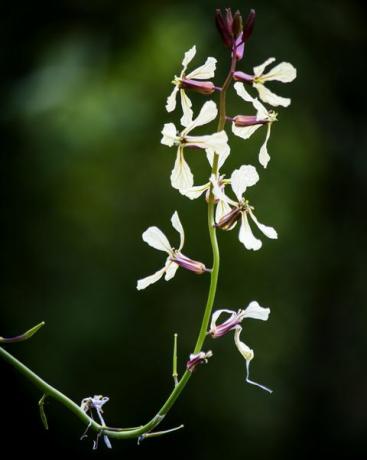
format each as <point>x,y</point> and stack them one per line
<point>222,212</point>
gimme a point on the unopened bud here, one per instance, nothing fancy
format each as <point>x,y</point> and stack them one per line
<point>249,25</point>
<point>198,358</point>
<point>223,29</point>
<point>237,24</point>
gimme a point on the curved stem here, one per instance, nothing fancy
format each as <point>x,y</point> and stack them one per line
<point>127,433</point>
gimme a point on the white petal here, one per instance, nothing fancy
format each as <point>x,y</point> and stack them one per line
<point>259,69</point>
<point>245,351</point>
<point>145,282</point>
<point>171,100</point>
<point>216,316</point>
<point>262,112</point>
<point>169,134</point>
<point>171,268</point>
<point>218,192</point>
<point>222,209</point>
<point>196,191</point>
<point>223,155</point>
<point>181,176</point>
<point>252,382</point>
<point>245,176</point>
<point>269,97</point>
<point>270,232</point>
<point>186,105</point>
<point>189,56</point>
<point>207,114</point>
<point>264,156</point>
<point>244,131</point>
<point>240,90</point>
<point>254,310</point>
<point>283,72</point>
<point>216,141</point>
<point>204,72</point>
<point>246,236</point>
<point>176,224</point>
<point>156,239</point>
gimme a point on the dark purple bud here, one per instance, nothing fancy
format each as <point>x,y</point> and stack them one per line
<point>223,30</point>
<point>202,87</point>
<point>196,359</point>
<point>249,25</point>
<point>244,77</point>
<point>227,221</point>
<point>229,21</point>
<point>189,264</point>
<point>237,26</point>
<point>247,120</point>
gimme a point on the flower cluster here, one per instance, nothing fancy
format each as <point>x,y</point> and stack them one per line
<point>228,193</point>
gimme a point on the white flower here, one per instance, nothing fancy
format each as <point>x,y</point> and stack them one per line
<point>242,178</point>
<point>181,176</point>
<point>158,240</point>
<point>253,310</point>
<point>201,73</point>
<point>283,72</point>
<point>245,126</point>
<point>248,354</point>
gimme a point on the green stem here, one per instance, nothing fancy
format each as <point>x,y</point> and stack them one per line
<point>120,433</point>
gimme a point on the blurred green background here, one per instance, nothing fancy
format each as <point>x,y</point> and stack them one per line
<point>84,174</point>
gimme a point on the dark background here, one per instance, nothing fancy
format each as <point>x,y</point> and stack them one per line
<point>83,174</point>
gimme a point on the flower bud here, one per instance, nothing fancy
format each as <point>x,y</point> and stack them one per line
<point>237,24</point>
<point>223,29</point>
<point>198,358</point>
<point>249,25</point>
<point>202,87</point>
<point>189,264</point>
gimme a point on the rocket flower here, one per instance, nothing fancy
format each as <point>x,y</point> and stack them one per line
<point>189,81</point>
<point>181,176</point>
<point>245,125</point>
<point>242,178</point>
<point>283,72</point>
<point>158,240</point>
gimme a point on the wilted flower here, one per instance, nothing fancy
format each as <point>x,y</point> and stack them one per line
<point>248,354</point>
<point>283,72</point>
<point>242,178</point>
<point>198,358</point>
<point>189,82</point>
<point>253,310</point>
<point>158,240</point>
<point>181,176</point>
<point>245,125</point>
<point>97,402</point>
